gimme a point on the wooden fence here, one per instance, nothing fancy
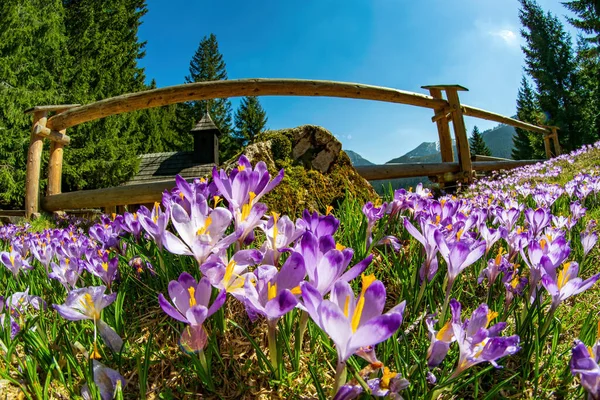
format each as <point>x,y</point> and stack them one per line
<point>445,110</point>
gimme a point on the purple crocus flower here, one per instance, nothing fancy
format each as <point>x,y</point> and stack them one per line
<point>272,293</point>
<point>14,262</point>
<point>353,322</point>
<point>242,181</point>
<point>88,303</point>
<point>201,231</point>
<point>280,233</point>
<point>191,300</point>
<point>577,211</point>
<point>427,239</point>
<point>326,262</point>
<point>319,225</point>
<point>567,283</point>
<point>458,254</point>
<point>537,219</point>
<point>476,341</point>
<point>230,275</point>
<point>373,215</point>
<point>588,240</point>
<point>440,341</point>
<point>155,222</point>
<point>132,224</point>
<point>139,265</point>
<point>106,379</point>
<point>66,272</point>
<point>14,326</point>
<point>584,362</point>
<point>104,268</point>
<point>494,267</point>
<point>387,386</point>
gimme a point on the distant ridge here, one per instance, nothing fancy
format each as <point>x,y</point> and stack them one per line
<point>357,160</point>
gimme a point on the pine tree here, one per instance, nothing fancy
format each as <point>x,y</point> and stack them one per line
<point>250,119</point>
<point>527,145</point>
<point>588,20</point>
<point>105,49</point>
<point>33,55</point>
<point>207,65</point>
<point>551,64</point>
<point>477,144</point>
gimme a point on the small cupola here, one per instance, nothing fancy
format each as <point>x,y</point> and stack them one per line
<point>206,141</point>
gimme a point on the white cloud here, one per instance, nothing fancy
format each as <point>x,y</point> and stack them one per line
<point>349,137</point>
<point>508,36</point>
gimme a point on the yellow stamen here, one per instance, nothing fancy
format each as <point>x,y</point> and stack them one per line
<point>328,210</point>
<point>445,333</point>
<point>491,315</point>
<point>498,259</point>
<point>246,208</point>
<point>12,260</point>
<point>367,280</point>
<point>228,272</point>
<point>203,180</point>
<point>241,168</point>
<point>88,304</point>
<point>95,353</point>
<point>442,202</point>
<point>113,215</point>
<point>346,306</point>
<point>271,290</point>
<point>216,201</point>
<point>105,266</point>
<point>181,195</point>
<point>134,216</point>
<point>515,281</point>
<point>387,377</point>
<point>410,189</point>
<point>459,234</point>
<point>449,227</point>
<point>67,261</point>
<point>192,292</point>
<point>275,230</point>
<point>437,219</point>
<point>543,244</point>
<point>296,290</point>
<point>563,278</point>
<point>204,229</point>
<point>155,218</point>
<point>339,247</point>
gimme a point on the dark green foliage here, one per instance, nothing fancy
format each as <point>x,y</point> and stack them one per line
<point>528,145</point>
<point>552,65</point>
<point>477,145</point>
<point>588,21</point>
<point>32,54</point>
<point>207,65</point>
<point>250,119</point>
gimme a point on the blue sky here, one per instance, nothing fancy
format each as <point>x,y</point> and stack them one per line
<point>402,44</point>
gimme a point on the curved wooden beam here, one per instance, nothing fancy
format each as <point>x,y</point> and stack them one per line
<point>234,88</point>
<point>490,116</point>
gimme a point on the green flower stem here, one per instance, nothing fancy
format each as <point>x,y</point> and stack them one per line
<point>273,353</point>
<point>340,377</point>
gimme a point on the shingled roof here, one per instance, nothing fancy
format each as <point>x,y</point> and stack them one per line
<point>156,167</point>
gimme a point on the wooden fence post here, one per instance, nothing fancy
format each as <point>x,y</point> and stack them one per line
<point>547,146</point>
<point>34,161</point>
<point>55,167</point>
<point>557,149</point>
<point>458,123</point>
<point>443,128</point>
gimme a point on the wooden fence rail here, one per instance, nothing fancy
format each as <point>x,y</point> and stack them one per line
<point>66,116</point>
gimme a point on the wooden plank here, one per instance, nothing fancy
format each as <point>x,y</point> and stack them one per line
<point>235,88</point>
<point>555,140</point>
<point>478,157</point>
<point>460,132</point>
<point>34,161</point>
<point>490,116</point>
<point>445,87</point>
<point>55,168</point>
<point>54,136</point>
<point>393,171</point>
<point>499,165</point>
<point>58,108</point>
<point>115,196</point>
<point>443,130</point>
<point>110,210</point>
<point>12,213</point>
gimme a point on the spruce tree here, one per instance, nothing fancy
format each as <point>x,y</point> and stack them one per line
<point>527,145</point>
<point>588,21</point>
<point>477,144</point>
<point>207,64</point>
<point>550,62</point>
<point>250,119</point>
<point>33,56</point>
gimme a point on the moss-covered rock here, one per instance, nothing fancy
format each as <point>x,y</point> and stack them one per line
<point>317,172</point>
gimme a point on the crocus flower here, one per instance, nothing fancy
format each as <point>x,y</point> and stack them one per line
<point>191,300</point>
<point>105,268</point>
<point>319,225</point>
<point>14,262</point>
<point>353,322</point>
<point>280,232</point>
<point>537,219</point>
<point>106,379</point>
<point>588,240</point>
<point>88,303</point>
<point>440,341</point>
<point>66,272</point>
<point>494,267</point>
<point>427,239</point>
<point>373,215</point>
<point>139,265</point>
<point>272,293</point>
<point>584,362</point>
<point>387,386</point>
<point>201,231</point>
<point>14,326</point>
<point>326,262</point>
<point>230,275</point>
<point>476,341</point>
<point>567,283</point>
<point>458,254</point>
<point>132,224</point>
<point>155,222</point>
